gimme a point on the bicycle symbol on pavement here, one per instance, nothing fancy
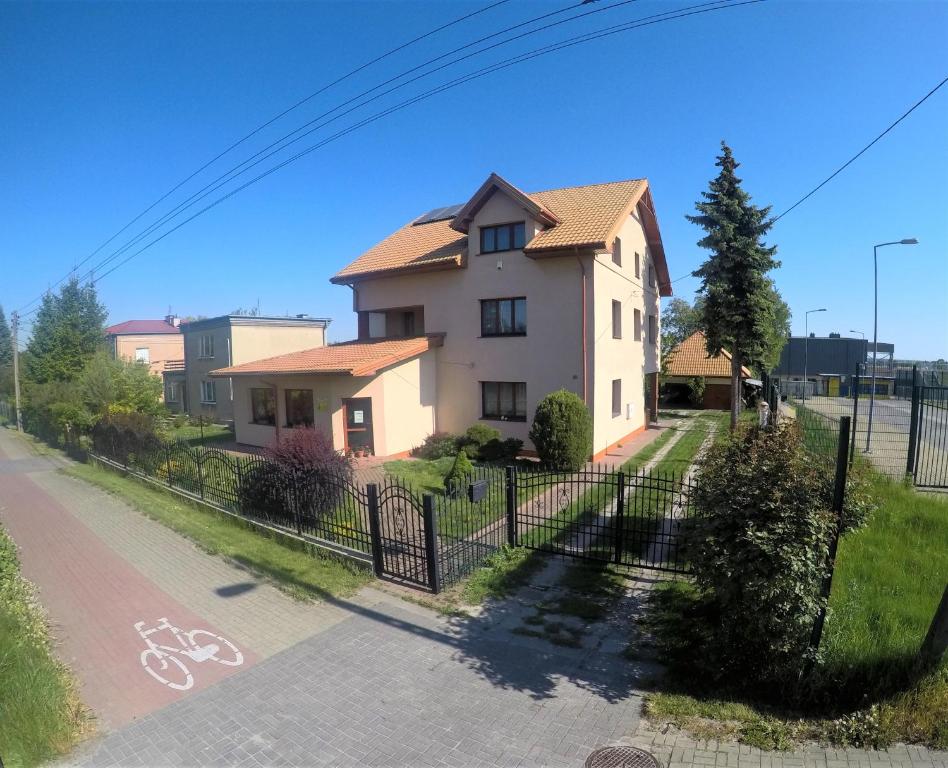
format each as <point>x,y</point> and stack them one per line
<point>163,662</point>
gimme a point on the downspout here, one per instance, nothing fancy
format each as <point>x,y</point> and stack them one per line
<point>582,268</point>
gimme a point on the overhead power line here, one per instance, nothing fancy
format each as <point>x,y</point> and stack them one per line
<point>273,119</point>
<point>862,151</point>
<point>314,125</point>
<point>586,38</point>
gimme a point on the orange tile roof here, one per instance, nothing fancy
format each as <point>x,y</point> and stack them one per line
<point>351,358</point>
<point>690,358</point>
<point>585,217</point>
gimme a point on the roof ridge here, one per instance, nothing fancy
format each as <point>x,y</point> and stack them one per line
<point>586,186</point>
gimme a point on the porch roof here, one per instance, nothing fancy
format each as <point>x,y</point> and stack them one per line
<point>349,358</point>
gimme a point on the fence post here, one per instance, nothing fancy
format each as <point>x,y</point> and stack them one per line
<point>200,465</point>
<point>913,430</point>
<point>431,542</point>
<point>839,496</point>
<point>375,532</point>
<point>168,460</point>
<point>852,442</point>
<point>620,518</point>
<point>511,490</point>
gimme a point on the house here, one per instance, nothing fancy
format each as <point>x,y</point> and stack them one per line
<point>829,363</point>
<point>228,340</point>
<point>154,342</point>
<point>473,313</point>
<point>690,360</point>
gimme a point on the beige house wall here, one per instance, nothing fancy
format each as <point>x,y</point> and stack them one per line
<point>199,368</point>
<point>161,347</point>
<point>625,358</point>
<point>549,357</point>
<point>255,342</point>
<point>403,407</point>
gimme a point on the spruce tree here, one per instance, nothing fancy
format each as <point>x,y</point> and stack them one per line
<point>69,328</point>
<point>739,300</point>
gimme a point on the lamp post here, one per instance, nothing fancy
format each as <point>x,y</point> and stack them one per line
<point>859,332</point>
<point>875,324</point>
<point>806,340</point>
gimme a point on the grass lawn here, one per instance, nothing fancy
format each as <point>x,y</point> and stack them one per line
<point>888,582</point>
<point>213,433</point>
<point>297,569</point>
<point>425,475</point>
<point>41,716</point>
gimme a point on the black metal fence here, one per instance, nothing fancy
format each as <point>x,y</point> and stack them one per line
<point>425,539</point>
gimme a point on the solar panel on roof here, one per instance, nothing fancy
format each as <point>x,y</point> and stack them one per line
<point>439,214</point>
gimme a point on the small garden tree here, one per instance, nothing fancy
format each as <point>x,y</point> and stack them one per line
<point>562,431</point>
<point>758,545</point>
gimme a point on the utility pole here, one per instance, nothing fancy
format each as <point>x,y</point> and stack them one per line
<point>15,317</point>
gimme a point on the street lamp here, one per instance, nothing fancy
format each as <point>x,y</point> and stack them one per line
<point>875,324</point>
<point>806,339</point>
<point>859,332</point>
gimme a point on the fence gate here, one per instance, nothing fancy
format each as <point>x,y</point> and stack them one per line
<point>930,436</point>
<point>397,520</point>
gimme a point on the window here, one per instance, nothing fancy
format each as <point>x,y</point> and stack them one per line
<point>377,325</point>
<point>504,400</point>
<point>263,406</point>
<point>504,237</point>
<point>638,325</point>
<point>299,407</point>
<point>171,392</point>
<point>504,317</point>
<point>651,275</point>
<point>638,265</point>
<point>616,319</point>
<point>208,391</point>
<point>617,252</point>
<point>207,346</point>
<point>142,355</point>
<point>616,397</point>
<point>409,320</point>
<point>651,329</point>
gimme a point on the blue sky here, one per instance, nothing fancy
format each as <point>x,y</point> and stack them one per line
<point>108,105</point>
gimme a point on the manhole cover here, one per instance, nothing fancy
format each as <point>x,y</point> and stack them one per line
<point>621,757</point>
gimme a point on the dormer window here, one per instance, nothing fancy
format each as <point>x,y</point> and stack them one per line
<point>503,237</point>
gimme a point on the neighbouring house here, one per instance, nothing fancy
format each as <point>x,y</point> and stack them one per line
<point>473,313</point>
<point>154,342</point>
<point>829,363</point>
<point>689,361</point>
<point>228,340</point>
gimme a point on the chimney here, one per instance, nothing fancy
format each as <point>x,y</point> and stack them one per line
<point>173,320</point>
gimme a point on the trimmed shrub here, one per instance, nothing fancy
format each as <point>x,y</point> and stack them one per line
<point>304,480</point>
<point>437,445</point>
<point>562,431</point>
<point>309,448</point>
<point>458,474</point>
<point>501,450</point>
<point>758,544</point>
<point>475,438</point>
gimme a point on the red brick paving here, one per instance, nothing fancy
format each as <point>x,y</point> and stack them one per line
<point>94,598</point>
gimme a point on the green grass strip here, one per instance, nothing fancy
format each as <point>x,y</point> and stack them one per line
<point>297,569</point>
<point>41,717</point>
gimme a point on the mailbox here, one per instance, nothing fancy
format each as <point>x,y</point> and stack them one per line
<point>477,490</point>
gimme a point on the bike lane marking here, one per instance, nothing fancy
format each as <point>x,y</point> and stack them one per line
<point>94,598</point>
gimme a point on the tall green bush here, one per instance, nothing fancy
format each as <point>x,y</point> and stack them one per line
<point>562,431</point>
<point>758,545</point>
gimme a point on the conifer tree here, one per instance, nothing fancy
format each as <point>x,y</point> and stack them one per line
<point>739,304</point>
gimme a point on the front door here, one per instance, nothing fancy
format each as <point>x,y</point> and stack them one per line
<point>358,414</point>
